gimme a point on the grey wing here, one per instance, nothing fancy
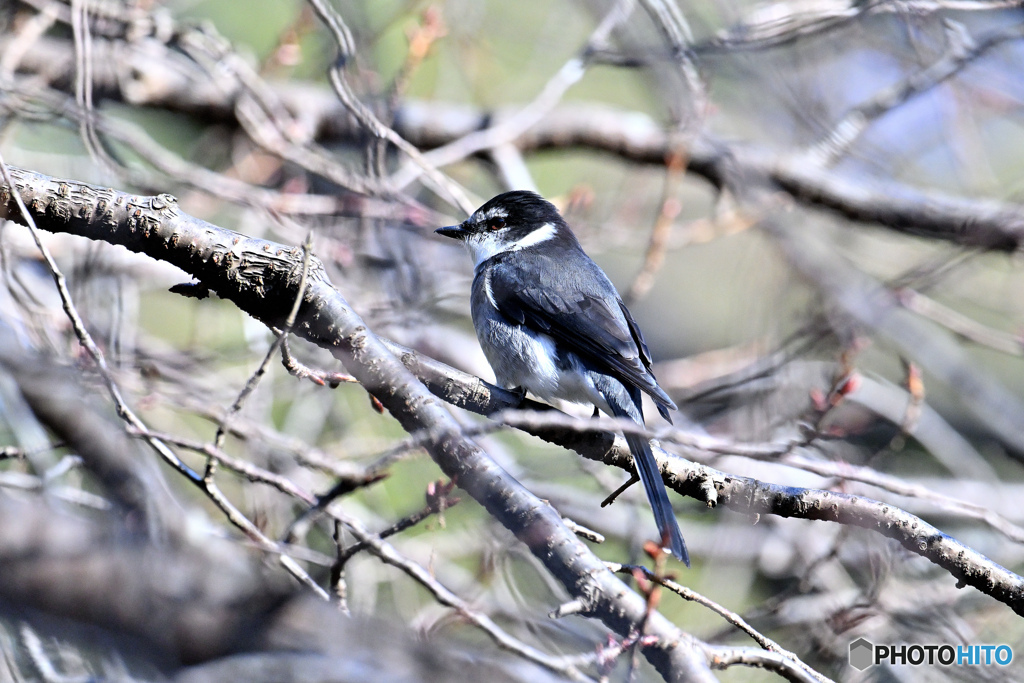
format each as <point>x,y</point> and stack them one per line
<point>595,325</point>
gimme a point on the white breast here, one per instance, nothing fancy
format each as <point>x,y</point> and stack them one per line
<point>529,361</point>
<point>521,359</point>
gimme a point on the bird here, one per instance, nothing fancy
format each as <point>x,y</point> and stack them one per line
<point>551,323</point>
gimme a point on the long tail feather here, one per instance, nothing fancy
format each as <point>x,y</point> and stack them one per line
<point>650,475</point>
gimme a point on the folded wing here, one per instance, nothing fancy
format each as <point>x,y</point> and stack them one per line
<point>579,316</point>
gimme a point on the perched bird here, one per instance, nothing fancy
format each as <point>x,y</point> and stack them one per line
<point>551,323</point>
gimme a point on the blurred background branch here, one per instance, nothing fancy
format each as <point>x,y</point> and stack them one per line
<point>814,208</point>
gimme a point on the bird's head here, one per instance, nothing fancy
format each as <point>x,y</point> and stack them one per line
<point>509,222</point>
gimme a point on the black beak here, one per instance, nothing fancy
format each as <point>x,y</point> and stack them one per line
<point>454,231</point>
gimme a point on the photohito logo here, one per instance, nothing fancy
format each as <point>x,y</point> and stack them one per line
<point>864,653</point>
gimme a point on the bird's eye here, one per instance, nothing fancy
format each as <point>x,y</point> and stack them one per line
<point>497,223</point>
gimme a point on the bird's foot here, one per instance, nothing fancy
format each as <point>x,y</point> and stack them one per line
<point>520,393</point>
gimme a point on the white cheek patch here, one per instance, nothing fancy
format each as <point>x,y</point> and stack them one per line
<point>484,245</point>
<point>541,234</point>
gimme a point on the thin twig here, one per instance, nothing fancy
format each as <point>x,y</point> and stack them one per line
<point>439,499</point>
<point>86,340</point>
<point>727,614</point>
<point>508,129</point>
<point>346,52</point>
<point>387,554</point>
<point>668,17</point>
<point>784,453</point>
<point>26,482</point>
<point>28,34</point>
<point>960,324</point>
<point>654,257</point>
<point>298,369</point>
<point>250,471</point>
<point>254,379</point>
<point>962,51</point>
<point>723,657</point>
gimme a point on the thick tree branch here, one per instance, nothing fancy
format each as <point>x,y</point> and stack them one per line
<point>204,603</point>
<point>169,81</point>
<point>869,304</point>
<point>262,278</point>
<point>57,400</point>
<point>756,497</point>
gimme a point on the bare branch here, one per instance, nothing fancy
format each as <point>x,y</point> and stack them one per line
<point>631,135</point>
<point>260,277</point>
<point>387,553</point>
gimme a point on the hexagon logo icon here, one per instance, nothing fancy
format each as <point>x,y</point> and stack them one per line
<point>862,654</point>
